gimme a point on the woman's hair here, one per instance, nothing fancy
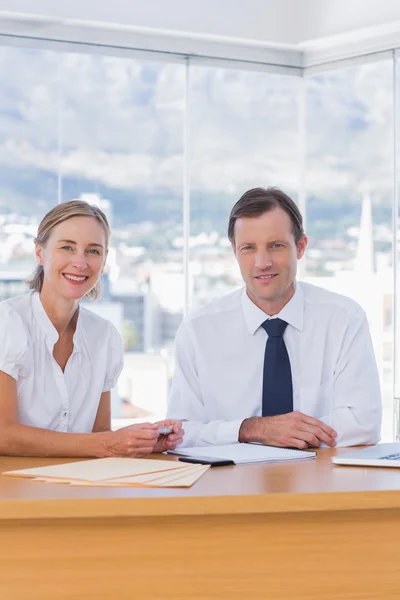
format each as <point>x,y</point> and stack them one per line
<point>58,214</point>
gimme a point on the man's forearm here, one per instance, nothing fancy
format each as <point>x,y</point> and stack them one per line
<point>251,430</point>
<point>212,433</point>
<point>355,426</point>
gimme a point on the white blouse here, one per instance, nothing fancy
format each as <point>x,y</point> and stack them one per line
<point>47,396</point>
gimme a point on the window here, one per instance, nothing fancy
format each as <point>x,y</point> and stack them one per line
<point>29,124</point>
<point>349,198</point>
<point>244,134</point>
<point>107,130</point>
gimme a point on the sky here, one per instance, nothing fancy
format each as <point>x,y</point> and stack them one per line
<point>120,122</point>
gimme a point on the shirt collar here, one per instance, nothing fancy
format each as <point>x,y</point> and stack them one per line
<point>47,326</point>
<point>43,320</point>
<point>292,312</point>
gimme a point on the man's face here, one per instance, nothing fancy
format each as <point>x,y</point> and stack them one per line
<point>267,254</point>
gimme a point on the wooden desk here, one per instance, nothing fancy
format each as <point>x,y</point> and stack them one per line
<point>279,531</point>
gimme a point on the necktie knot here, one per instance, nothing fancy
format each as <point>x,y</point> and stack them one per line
<point>274,327</point>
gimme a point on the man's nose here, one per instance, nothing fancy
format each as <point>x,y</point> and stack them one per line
<point>263,260</point>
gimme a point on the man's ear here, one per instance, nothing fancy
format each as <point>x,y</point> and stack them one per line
<point>301,246</point>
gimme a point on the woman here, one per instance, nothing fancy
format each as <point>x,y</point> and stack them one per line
<point>58,360</point>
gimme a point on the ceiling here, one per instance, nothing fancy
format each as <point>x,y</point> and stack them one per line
<point>278,21</point>
<point>295,25</point>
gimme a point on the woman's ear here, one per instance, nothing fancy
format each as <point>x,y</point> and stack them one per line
<point>105,260</point>
<point>39,254</point>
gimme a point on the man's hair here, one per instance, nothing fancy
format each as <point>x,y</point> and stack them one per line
<point>257,201</point>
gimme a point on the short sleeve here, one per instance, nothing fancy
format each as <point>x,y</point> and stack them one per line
<point>13,340</point>
<point>115,358</point>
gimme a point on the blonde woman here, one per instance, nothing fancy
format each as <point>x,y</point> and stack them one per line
<point>58,360</point>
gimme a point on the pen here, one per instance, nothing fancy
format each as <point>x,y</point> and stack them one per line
<point>165,430</point>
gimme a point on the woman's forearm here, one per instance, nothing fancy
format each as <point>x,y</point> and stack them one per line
<point>23,440</point>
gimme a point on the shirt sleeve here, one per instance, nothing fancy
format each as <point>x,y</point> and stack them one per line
<point>356,412</point>
<point>13,341</point>
<point>115,359</point>
<point>186,402</point>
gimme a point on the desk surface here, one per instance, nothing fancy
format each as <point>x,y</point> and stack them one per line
<point>300,486</point>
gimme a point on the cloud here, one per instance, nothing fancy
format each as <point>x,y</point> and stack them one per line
<point>349,130</point>
<point>119,122</point>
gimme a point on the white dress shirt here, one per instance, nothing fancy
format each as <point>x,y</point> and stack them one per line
<point>220,359</point>
<point>47,396</point>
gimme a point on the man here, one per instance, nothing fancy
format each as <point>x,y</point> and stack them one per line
<point>279,362</point>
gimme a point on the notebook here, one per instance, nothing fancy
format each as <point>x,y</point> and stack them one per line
<point>242,453</point>
<point>382,455</point>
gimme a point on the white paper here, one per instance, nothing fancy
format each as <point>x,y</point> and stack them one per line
<point>99,469</point>
<point>178,478</point>
<point>245,453</point>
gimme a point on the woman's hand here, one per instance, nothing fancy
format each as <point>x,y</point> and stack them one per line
<point>133,441</point>
<point>171,441</point>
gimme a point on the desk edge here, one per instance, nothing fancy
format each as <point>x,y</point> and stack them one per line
<point>197,505</point>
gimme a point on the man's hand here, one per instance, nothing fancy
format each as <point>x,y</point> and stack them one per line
<point>293,430</point>
<point>171,441</point>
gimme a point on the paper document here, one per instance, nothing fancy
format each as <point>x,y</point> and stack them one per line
<point>181,478</point>
<point>246,453</point>
<point>117,472</point>
<point>97,470</point>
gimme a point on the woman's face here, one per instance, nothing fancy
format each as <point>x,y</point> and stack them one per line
<point>73,257</point>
